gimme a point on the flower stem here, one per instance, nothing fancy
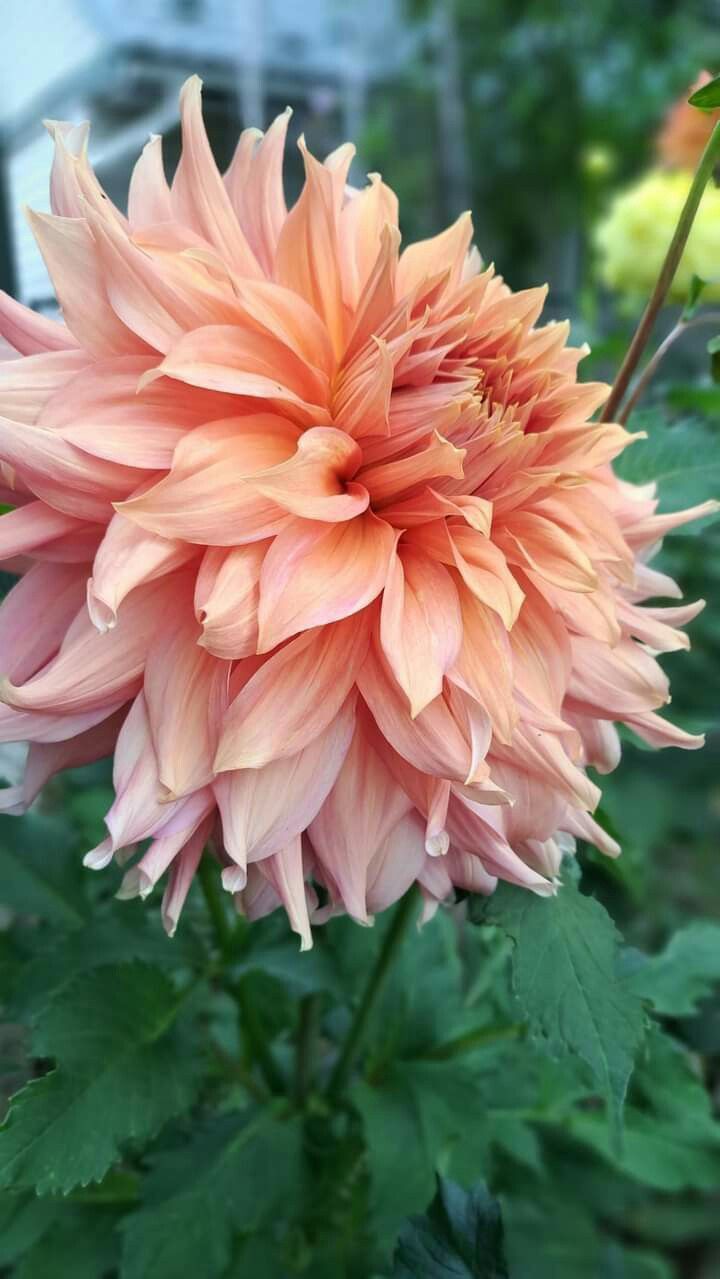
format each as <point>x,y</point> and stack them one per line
<point>404,915</point>
<point>648,373</point>
<point>250,1027</point>
<point>207,874</point>
<point>252,1031</point>
<point>473,1039</point>
<point>306,1045</point>
<point>703,174</point>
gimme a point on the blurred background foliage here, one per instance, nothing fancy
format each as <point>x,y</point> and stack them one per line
<point>532,114</point>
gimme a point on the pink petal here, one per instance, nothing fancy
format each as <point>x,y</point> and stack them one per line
<point>316,573</point>
<point>294,695</point>
<point>420,625</point>
<point>227,594</point>
<point>199,198</point>
<point>263,809</point>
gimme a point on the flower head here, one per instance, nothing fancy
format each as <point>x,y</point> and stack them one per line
<point>316,539</point>
<point>634,236</point>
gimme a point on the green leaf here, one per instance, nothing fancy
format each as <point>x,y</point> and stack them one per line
<point>707,98</point>
<point>683,458</point>
<point>548,1236</point>
<point>685,972</point>
<point>122,1072</point>
<point>233,1176</point>
<point>23,1220</point>
<point>38,873</point>
<point>697,287</point>
<point>82,1244</point>
<point>460,1237</point>
<point>565,977</point>
<point>106,939</point>
<point>545,1239</point>
<point>671,1140</point>
<point>436,1110</point>
<point>412,1118</point>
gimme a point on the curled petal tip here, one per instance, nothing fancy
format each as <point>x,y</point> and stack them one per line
<point>234,879</point>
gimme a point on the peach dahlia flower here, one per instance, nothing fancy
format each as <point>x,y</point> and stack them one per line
<point>315,538</point>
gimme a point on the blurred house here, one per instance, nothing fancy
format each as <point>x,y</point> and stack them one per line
<point>120,64</point>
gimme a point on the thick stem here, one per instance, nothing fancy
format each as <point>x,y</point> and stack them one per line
<point>216,907</point>
<point>651,368</point>
<point>667,273</point>
<point>250,1027</point>
<point>306,1045</point>
<point>404,915</point>
<point>252,1031</point>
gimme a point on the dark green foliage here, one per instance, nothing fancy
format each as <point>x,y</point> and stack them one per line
<point>461,1235</point>
<point>121,1072</point>
<point>565,976</point>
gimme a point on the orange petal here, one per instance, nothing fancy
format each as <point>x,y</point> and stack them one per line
<point>262,809</point>
<point>386,481</point>
<point>199,197</point>
<point>294,695</point>
<point>127,557</point>
<point>316,573</point>
<point>420,625</point>
<point>227,594</point>
<point>184,687</point>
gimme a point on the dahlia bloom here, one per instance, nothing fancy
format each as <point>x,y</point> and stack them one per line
<point>634,236</point>
<point>315,538</point>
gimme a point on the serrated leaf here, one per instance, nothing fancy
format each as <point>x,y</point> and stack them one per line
<point>459,1237</point>
<point>671,1140</point>
<point>121,1073</point>
<point>706,98</point>
<point>105,939</point>
<point>566,980</point>
<point>685,972</point>
<point>230,1178</point>
<point>682,458</point>
<point>420,1108</point>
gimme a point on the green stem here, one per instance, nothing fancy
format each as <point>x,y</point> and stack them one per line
<point>667,273</point>
<point>306,1045</point>
<point>473,1039</point>
<point>404,915</point>
<point>208,875</point>
<point>252,1031</point>
<point>225,937</point>
<point>237,1071</point>
<point>651,368</point>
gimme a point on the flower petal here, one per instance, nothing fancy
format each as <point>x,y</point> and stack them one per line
<point>316,573</point>
<point>420,625</point>
<point>294,695</point>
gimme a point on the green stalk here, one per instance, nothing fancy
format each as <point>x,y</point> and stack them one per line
<point>252,1031</point>
<point>306,1045</point>
<point>208,875</point>
<point>703,174</point>
<point>250,1027</point>
<point>404,915</point>
<point>473,1039</point>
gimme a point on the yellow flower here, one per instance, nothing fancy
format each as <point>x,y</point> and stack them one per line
<point>633,238</point>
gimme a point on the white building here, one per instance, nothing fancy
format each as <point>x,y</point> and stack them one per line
<point>120,63</point>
